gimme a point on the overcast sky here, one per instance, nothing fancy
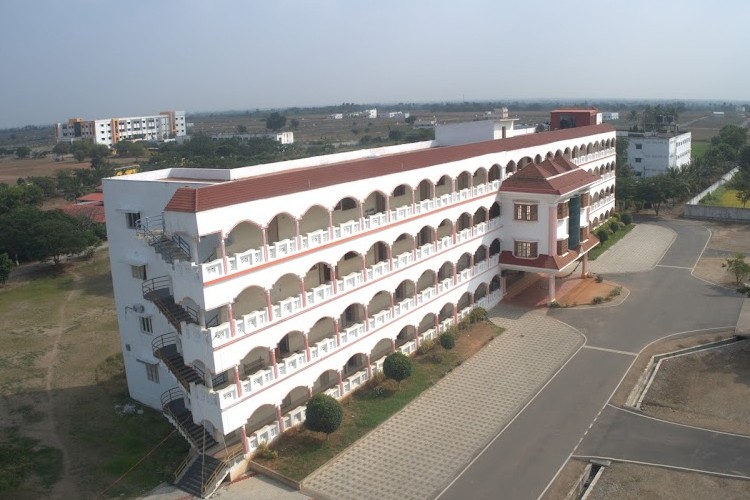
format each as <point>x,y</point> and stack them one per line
<point>103,58</point>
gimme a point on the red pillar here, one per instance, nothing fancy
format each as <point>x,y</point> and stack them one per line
<point>223,249</point>
<point>232,324</point>
<point>341,383</point>
<point>302,290</point>
<point>264,231</point>
<point>455,275</point>
<point>337,332</point>
<point>245,446</point>
<point>237,381</point>
<point>367,320</point>
<point>269,305</point>
<point>297,236</point>
<point>364,269</point>
<point>330,225</point>
<point>279,419</point>
<point>307,346</point>
<point>369,368</point>
<point>274,364</point>
<point>334,280</point>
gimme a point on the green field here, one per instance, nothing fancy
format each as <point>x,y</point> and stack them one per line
<point>699,148</point>
<point>723,197</point>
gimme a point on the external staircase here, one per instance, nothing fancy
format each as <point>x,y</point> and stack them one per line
<point>165,349</point>
<point>158,291</point>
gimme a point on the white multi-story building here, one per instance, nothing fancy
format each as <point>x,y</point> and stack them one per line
<point>652,154</point>
<point>109,131</point>
<point>241,293</point>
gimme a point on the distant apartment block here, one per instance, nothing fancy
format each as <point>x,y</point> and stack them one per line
<point>610,115</point>
<point>653,154</point>
<point>109,131</point>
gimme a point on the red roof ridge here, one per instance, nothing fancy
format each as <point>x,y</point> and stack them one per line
<point>328,174</point>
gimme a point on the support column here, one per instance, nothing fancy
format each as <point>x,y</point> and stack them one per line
<point>279,419</point>
<point>453,233</point>
<point>416,338</point>
<point>585,265</point>
<point>552,247</point>
<point>269,305</point>
<point>193,243</point>
<point>361,216</point>
<point>303,291</point>
<point>334,280</point>
<point>367,319</point>
<point>341,383</point>
<point>237,381</point>
<point>387,209</point>
<point>390,258</point>
<point>455,275</point>
<point>309,392</point>
<point>455,314</point>
<point>337,331</point>
<point>414,249</point>
<point>307,347</point>
<point>437,283</point>
<point>264,231</point>
<point>393,308</point>
<point>364,269</point>
<point>393,345</point>
<point>369,368</point>
<point>232,324</point>
<point>435,239</point>
<point>330,225</point>
<point>223,250</point>
<point>551,289</point>
<point>297,236</point>
<point>413,202</point>
<point>245,446</point>
<point>274,363</point>
<point>437,324</point>
<point>471,264</point>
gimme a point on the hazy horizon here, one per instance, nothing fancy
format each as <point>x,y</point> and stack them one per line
<point>89,59</point>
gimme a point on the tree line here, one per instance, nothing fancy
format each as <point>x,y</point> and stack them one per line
<point>727,150</point>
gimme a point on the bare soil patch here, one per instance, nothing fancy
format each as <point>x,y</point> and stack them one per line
<point>12,168</point>
<point>727,240</point>
<point>708,389</point>
<point>625,481</point>
<point>584,291</point>
<point>566,480</point>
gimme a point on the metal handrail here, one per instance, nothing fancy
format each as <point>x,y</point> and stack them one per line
<point>225,465</point>
<point>170,395</point>
<point>163,341</point>
<point>184,464</point>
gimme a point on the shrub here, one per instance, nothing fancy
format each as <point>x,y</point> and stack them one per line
<point>626,218</point>
<point>597,300</point>
<point>426,346</point>
<point>478,314</point>
<point>616,216</point>
<point>554,304</point>
<point>463,324</point>
<point>447,340</point>
<point>615,226</point>
<point>602,234</point>
<point>397,366</point>
<point>615,292</point>
<point>264,451</point>
<point>323,414</point>
<point>599,278</point>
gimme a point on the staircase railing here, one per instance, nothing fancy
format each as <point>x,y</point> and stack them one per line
<point>150,289</point>
<point>180,470</point>
<point>152,229</point>
<point>168,396</point>
<point>168,339</point>
<point>220,471</point>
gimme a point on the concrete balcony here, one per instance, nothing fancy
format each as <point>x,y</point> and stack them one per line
<point>228,406</point>
<point>247,259</point>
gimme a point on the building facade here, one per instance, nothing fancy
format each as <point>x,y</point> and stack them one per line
<point>241,293</point>
<point>109,131</point>
<point>652,154</point>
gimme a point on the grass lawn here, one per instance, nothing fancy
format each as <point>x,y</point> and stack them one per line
<point>300,451</point>
<point>614,238</point>
<point>698,148</point>
<point>63,317</point>
<point>722,197</point>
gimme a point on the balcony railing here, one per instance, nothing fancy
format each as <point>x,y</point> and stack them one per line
<point>294,362</point>
<point>249,258</point>
<point>594,156</point>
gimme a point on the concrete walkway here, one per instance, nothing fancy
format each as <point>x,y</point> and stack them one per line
<point>639,251</point>
<point>418,451</point>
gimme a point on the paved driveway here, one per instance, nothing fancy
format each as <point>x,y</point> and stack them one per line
<point>621,434</point>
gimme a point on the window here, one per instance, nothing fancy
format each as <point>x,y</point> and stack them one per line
<point>132,219</point>
<point>639,146</point>
<point>562,246</point>
<point>138,272</point>
<point>638,160</point>
<point>524,211</point>
<point>152,372</point>
<point>525,249</point>
<point>145,323</point>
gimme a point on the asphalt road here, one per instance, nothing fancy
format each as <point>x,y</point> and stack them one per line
<point>528,453</point>
<point>627,435</point>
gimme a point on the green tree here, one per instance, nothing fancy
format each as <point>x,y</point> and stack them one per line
<point>734,136</point>
<point>130,148</point>
<point>61,149</point>
<point>5,267</point>
<point>737,266</point>
<point>323,414</point>
<point>241,129</point>
<point>397,366</point>
<point>447,340</point>
<point>410,119</point>
<point>23,152</point>
<point>275,121</point>
<point>294,123</point>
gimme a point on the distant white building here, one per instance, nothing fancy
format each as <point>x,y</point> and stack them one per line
<point>397,115</point>
<point>610,115</point>
<point>109,131</point>
<point>337,116</point>
<point>452,134</point>
<point>652,154</point>
<point>280,137</point>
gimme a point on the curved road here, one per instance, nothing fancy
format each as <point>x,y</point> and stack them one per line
<point>667,300</point>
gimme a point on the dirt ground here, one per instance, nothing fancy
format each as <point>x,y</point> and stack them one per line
<point>624,481</point>
<point>570,292</point>
<point>12,168</point>
<point>727,240</point>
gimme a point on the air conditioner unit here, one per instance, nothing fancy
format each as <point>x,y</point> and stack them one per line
<point>138,308</point>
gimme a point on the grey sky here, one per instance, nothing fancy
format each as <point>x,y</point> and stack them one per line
<point>102,58</point>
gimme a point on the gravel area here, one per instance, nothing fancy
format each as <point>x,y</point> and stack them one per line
<point>623,481</point>
<point>708,389</point>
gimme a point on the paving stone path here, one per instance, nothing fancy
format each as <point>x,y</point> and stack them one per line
<point>639,251</point>
<point>418,451</point>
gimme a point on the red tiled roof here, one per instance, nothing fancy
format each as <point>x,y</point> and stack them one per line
<point>552,176</point>
<point>191,199</point>
<point>93,211</point>
<point>551,262</point>
<point>95,197</point>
